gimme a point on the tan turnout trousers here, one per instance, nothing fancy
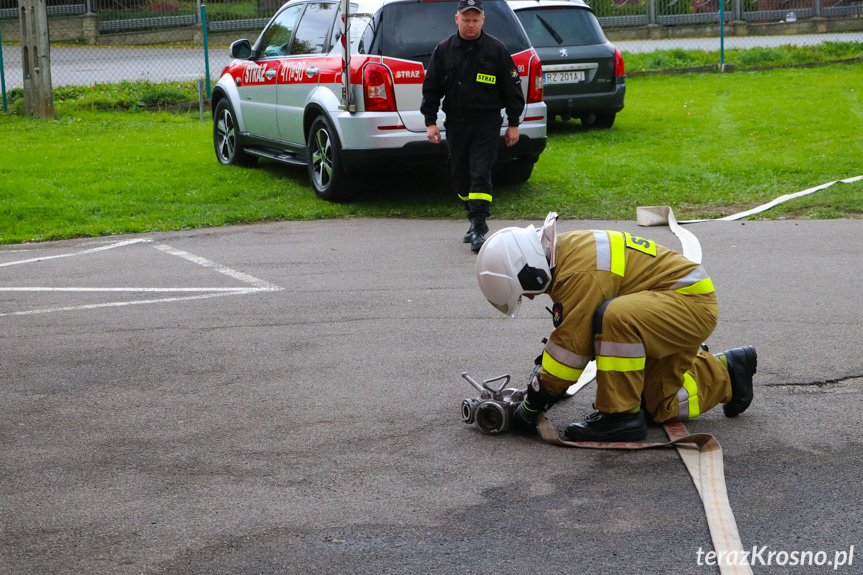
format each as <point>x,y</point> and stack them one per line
<point>659,332</point>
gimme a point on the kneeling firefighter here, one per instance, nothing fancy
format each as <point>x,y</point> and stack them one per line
<point>640,309</point>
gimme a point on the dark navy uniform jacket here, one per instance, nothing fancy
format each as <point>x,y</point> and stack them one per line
<point>475,77</point>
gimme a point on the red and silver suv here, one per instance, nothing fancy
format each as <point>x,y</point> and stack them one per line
<point>287,99</point>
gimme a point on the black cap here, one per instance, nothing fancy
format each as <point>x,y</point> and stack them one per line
<point>465,5</point>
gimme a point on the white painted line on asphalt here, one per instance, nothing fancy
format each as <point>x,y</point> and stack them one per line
<point>257,285</point>
<point>130,289</point>
<point>242,291</point>
<point>89,251</point>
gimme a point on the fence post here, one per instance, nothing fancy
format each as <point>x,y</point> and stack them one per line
<point>36,58</point>
<point>651,12</point>
<point>816,4</point>
<point>2,76</point>
<point>737,11</point>
<point>201,98</point>
<point>722,35</point>
<point>206,47</point>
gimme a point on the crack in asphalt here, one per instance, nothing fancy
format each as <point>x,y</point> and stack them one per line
<point>822,383</point>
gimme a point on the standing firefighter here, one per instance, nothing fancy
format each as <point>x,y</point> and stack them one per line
<point>476,77</point>
<point>641,310</point>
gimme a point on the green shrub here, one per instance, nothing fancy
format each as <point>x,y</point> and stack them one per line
<point>14,95</point>
<point>163,94</point>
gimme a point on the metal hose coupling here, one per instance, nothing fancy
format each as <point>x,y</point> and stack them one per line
<point>492,411</point>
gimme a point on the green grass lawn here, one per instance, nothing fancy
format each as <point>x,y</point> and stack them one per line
<point>705,144</point>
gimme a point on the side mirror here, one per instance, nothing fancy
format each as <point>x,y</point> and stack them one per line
<point>241,49</point>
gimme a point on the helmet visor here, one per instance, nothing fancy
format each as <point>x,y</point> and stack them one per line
<point>508,309</point>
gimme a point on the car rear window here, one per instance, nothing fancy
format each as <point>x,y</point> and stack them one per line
<point>411,30</point>
<point>553,26</point>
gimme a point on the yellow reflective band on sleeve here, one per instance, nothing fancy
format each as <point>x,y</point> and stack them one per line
<point>692,390</point>
<point>558,369</point>
<point>486,78</point>
<point>486,197</point>
<point>605,363</point>
<point>618,261</point>
<point>699,287</point>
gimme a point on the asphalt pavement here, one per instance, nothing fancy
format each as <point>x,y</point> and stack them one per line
<point>284,398</point>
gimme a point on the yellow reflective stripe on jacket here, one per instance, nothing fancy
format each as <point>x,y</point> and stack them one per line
<point>618,260</point>
<point>566,357</point>
<point>606,363</point>
<point>610,251</point>
<point>560,370</point>
<point>696,282</point>
<point>699,287</point>
<point>687,398</point>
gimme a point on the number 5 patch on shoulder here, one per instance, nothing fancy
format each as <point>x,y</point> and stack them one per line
<point>640,244</point>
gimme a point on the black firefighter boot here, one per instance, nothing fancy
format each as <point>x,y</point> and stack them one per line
<point>476,233</point>
<point>602,426</point>
<point>478,238</point>
<point>741,363</point>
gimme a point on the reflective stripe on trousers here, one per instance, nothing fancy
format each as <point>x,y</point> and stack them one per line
<point>687,399</point>
<point>611,356</point>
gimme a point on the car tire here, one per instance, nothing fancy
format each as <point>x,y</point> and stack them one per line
<point>516,171</point>
<point>226,137</point>
<point>604,121</point>
<point>326,171</point>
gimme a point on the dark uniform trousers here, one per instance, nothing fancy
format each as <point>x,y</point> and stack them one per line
<point>473,144</point>
<point>472,80</point>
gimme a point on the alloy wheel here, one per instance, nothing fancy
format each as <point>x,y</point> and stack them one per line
<point>322,159</point>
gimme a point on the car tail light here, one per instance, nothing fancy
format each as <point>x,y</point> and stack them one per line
<point>534,81</point>
<point>378,89</point>
<point>618,64</point>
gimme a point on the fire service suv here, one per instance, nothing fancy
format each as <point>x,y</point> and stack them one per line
<point>288,99</point>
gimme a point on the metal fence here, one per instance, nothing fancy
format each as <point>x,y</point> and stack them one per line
<point>115,16</point>
<point>108,41</point>
<point>223,15</point>
<point>622,13</point>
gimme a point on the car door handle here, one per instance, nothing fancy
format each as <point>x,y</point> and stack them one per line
<point>270,74</point>
<point>312,71</point>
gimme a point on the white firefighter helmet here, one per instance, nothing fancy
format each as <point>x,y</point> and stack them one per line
<point>512,263</point>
